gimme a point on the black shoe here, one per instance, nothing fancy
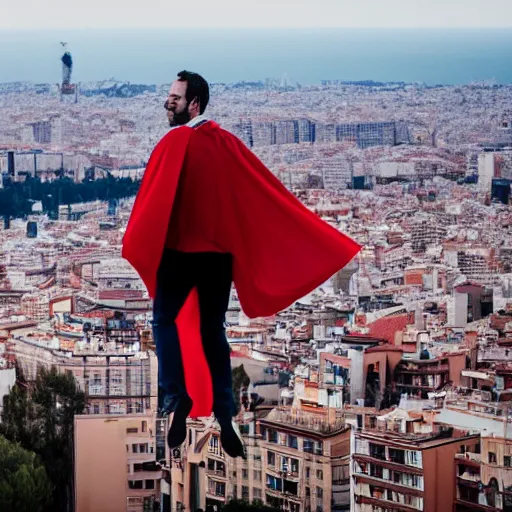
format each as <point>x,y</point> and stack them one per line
<point>231,440</point>
<point>178,429</point>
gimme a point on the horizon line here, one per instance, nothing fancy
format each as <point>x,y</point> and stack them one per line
<point>255,27</point>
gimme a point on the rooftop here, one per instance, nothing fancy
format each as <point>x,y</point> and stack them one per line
<point>307,422</point>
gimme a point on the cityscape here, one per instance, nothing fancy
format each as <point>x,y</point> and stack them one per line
<point>387,389</point>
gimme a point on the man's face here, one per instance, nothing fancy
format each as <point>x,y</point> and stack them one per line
<point>176,104</point>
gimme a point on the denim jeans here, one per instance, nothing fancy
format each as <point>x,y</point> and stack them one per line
<point>178,274</point>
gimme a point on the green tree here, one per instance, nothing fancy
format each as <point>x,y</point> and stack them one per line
<point>39,415</point>
<point>240,380</point>
<point>242,505</point>
<point>24,484</point>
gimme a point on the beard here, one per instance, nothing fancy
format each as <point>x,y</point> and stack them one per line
<point>179,118</point>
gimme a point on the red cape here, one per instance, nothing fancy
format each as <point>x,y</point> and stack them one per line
<point>281,250</point>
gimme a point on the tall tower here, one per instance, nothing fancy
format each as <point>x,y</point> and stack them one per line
<point>67,88</point>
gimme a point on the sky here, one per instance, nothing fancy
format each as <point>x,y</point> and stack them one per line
<point>61,14</point>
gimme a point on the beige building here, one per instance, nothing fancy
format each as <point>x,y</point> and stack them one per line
<point>305,461</point>
<point>115,380</point>
<point>201,474</point>
<point>296,461</point>
<point>116,467</point>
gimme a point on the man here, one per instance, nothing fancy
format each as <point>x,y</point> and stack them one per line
<point>208,213</point>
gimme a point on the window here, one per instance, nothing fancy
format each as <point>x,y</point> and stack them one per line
<point>294,465</point>
<point>96,408</point>
<point>292,442</point>
<point>137,468</point>
<point>135,484</point>
<point>378,451</point>
<point>291,487</point>
<point>308,445</point>
<point>245,474</point>
<point>413,458</point>
<point>274,483</point>
<point>143,448</point>
<point>308,492</point>
<point>132,430</point>
<point>492,458</point>
<point>319,493</point>
<point>376,471</point>
<point>257,475</point>
<point>150,484</point>
<point>308,473</point>
<point>271,459</point>
<point>256,493</point>
<point>397,456</point>
<point>135,448</point>
<point>245,492</point>
<point>319,474</point>
<point>272,436</point>
<point>144,426</point>
<point>506,461</point>
<point>217,488</point>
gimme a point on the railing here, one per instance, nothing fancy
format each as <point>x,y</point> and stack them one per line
<point>473,457</point>
<point>216,472</point>
<point>470,476</point>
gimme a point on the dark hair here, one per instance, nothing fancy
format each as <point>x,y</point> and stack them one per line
<point>197,87</point>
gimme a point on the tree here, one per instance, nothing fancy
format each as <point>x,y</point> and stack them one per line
<point>242,506</point>
<point>24,484</point>
<point>40,417</point>
<point>240,380</point>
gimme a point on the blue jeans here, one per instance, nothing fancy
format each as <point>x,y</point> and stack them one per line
<point>178,274</point>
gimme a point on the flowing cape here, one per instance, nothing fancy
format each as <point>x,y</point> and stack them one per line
<point>281,250</point>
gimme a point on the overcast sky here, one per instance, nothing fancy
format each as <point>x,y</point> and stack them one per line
<point>254,13</point>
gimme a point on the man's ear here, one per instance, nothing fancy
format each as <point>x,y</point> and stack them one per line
<point>194,104</point>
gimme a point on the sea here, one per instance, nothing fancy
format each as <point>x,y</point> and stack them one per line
<point>304,56</point>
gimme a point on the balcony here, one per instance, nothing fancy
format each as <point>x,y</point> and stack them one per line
<point>468,459</point>
<point>219,473</point>
<point>470,477</point>
<point>470,505</point>
<point>384,504</point>
<point>415,470</point>
<point>215,496</point>
<point>386,484</point>
<point>431,370</point>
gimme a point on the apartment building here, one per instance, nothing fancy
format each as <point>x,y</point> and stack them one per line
<point>116,466</point>
<point>398,465</point>
<point>115,379</point>
<point>425,376</point>
<point>202,476</point>
<point>305,461</point>
<point>484,464</point>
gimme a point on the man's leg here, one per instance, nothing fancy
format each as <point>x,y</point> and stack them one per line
<point>214,287</point>
<point>174,283</point>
